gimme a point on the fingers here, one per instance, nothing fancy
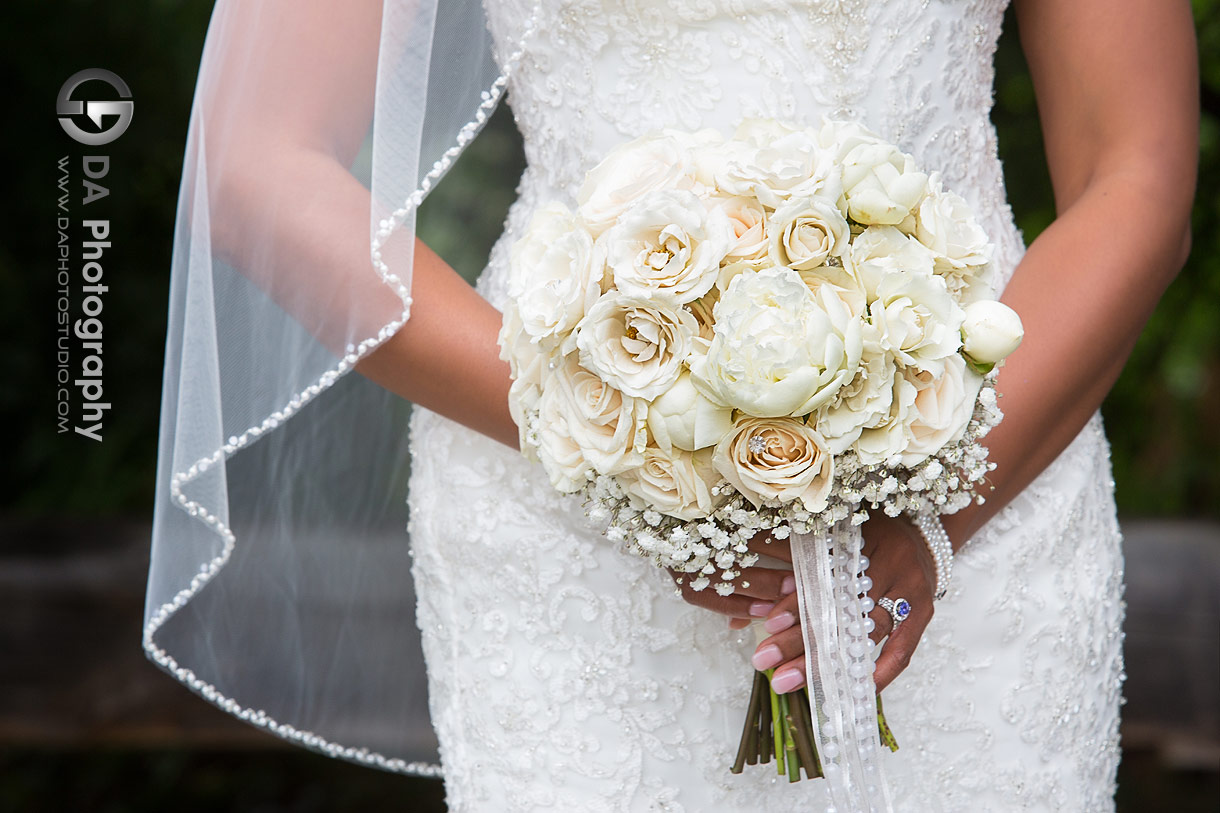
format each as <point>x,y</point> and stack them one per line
<point>765,583</point>
<point>764,545</point>
<point>733,605</point>
<point>896,654</point>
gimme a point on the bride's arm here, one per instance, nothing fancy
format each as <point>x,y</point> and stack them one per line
<point>286,115</point>
<point>1117,90</point>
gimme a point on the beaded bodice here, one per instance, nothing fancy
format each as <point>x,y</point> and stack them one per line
<point>595,73</point>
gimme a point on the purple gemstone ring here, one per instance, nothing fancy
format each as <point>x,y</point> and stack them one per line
<point>898,609</point>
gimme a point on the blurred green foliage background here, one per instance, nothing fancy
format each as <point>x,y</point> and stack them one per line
<point>1161,416</point>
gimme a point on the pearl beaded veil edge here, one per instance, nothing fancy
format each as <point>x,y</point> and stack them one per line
<point>279,586</point>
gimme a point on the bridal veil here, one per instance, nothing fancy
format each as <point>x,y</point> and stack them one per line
<point>280,584</point>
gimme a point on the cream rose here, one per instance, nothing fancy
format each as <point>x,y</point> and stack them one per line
<point>776,459</point>
<point>879,251</point>
<point>636,344</point>
<point>777,349</point>
<point>840,281</point>
<point>684,418</point>
<point>991,331</point>
<point>885,440</point>
<point>677,483</point>
<point>527,365</point>
<point>556,275</point>
<point>841,137</point>
<point>942,408</point>
<point>946,225</point>
<point>562,458</point>
<point>607,425</point>
<point>630,171</point>
<point>917,320</point>
<point>748,220</point>
<point>804,232</point>
<point>667,245</point>
<point>792,165</point>
<point>881,184</point>
<point>862,402</point>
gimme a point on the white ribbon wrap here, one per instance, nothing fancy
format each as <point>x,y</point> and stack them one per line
<point>839,667</point>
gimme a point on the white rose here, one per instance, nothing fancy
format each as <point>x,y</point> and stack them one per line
<point>885,440</point>
<point>777,349</point>
<point>636,344</point>
<point>917,320</point>
<point>842,282</point>
<point>804,232</point>
<point>562,458</point>
<point>677,483</point>
<point>683,417</point>
<point>881,184</point>
<point>776,459</point>
<point>527,365</point>
<point>761,132</point>
<point>990,331</point>
<point>946,225</point>
<point>606,425</point>
<point>748,220</point>
<point>863,402</point>
<point>792,165</point>
<point>841,137</point>
<point>942,409</point>
<point>667,244</point>
<point>556,275</point>
<point>879,251</point>
<point>630,171</point>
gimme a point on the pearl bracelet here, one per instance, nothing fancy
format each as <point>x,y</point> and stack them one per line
<point>941,549</point>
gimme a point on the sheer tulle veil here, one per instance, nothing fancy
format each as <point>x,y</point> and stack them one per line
<point>280,583</point>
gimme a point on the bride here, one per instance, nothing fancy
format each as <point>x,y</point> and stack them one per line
<point>562,674</point>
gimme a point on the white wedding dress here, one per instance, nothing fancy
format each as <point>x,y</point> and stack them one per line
<point>566,675</point>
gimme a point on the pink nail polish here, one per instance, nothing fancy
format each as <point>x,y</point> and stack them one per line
<point>779,623</point>
<point>767,657</point>
<point>760,608</point>
<point>788,585</point>
<point>787,680</point>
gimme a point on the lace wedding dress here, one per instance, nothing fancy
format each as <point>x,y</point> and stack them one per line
<point>566,675</point>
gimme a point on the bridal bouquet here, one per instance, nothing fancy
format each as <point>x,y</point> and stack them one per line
<point>770,332</point>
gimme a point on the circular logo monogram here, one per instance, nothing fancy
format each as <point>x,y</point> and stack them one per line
<point>68,109</point>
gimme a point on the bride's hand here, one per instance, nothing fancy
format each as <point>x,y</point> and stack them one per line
<point>756,593</point>
<point>900,567</point>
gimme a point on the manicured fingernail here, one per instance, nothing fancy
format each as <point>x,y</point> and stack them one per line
<point>787,680</point>
<point>767,656</point>
<point>788,585</point>
<point>760,608</point>
<point>779,623</point>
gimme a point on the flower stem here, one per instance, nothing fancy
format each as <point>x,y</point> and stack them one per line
<point>777,721</point>
<point>790,755</point>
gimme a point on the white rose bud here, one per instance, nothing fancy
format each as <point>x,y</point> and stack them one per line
<point>990,332</point>
<point>683,418</point>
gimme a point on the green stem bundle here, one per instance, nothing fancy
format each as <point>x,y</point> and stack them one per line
<point>780,726</point>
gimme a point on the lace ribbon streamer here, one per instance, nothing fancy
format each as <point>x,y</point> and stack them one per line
<point>839,667</point>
